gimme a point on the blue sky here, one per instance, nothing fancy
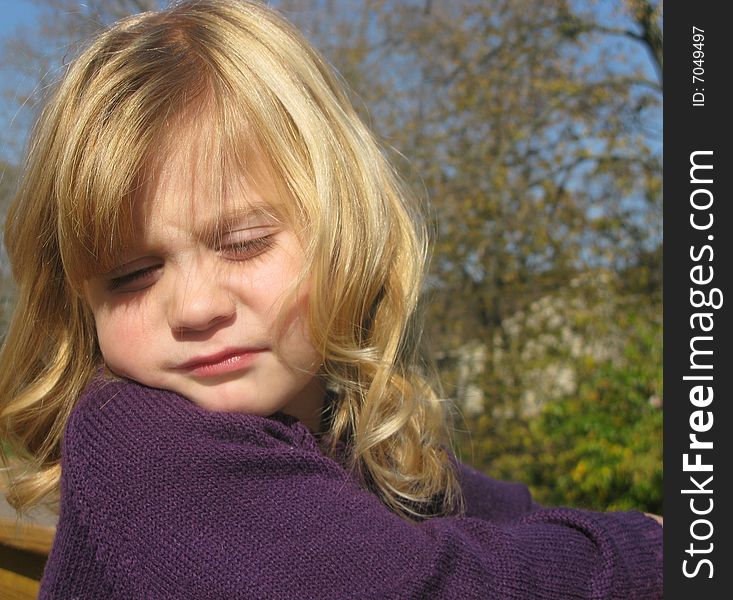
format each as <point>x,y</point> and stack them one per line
<point>14,13</point>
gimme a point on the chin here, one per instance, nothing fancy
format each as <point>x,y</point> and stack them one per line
<point>233,399</point>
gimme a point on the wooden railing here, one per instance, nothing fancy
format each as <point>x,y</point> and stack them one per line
<point>24,547</point>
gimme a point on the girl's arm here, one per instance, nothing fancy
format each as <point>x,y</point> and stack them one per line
<point>161,499</point>
<point>490,499</point>
<point>499,501</point>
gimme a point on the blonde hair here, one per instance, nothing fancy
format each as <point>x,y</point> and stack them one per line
<point>261,85</point>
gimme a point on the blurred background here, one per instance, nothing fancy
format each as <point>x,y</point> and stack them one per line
<point>533,129</point>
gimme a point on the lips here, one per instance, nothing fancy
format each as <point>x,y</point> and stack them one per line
<point>221,363</point>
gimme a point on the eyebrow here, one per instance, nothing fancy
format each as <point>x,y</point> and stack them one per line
<point>229,217</point>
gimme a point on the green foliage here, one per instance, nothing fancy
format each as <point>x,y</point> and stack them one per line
<point>602,448</point>
<point>599,447</point>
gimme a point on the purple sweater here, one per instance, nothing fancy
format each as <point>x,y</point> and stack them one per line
<point>162,499</point>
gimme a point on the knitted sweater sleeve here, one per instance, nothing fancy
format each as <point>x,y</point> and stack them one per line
<point>490,499</point>
<point>162,499</point>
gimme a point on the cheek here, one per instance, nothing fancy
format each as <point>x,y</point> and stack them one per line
<point>121,340</point>
<point>296,339</point>
<point>269,291</point>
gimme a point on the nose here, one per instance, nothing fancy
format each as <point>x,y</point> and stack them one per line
<point>200,299</point>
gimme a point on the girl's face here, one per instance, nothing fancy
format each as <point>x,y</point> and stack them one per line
<point>193,307</point>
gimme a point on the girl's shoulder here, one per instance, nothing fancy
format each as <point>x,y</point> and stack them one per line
<point>115,417</point>
<point>120,422</point>
<point>112,407</point>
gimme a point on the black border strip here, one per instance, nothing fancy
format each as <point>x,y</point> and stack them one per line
<point>697,124</point>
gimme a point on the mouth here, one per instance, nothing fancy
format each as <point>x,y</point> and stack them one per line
<point>221,363</point>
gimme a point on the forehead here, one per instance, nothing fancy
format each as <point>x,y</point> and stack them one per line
<point>202,191</point>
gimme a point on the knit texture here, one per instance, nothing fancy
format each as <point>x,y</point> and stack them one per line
<point>162,499</point>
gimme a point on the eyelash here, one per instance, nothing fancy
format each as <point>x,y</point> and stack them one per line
<point>123,280</point>
<point>248,248</point>
<point>238,251</point>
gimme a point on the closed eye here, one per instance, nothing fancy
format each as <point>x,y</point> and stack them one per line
<point>246,249</point>
<point>134,281</point>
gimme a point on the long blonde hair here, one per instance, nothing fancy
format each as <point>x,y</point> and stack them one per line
<point>262,85</point>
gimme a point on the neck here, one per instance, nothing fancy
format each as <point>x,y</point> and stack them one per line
<point>308,407</point>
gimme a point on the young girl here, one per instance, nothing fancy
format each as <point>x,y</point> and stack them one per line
<point>213,358</point>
